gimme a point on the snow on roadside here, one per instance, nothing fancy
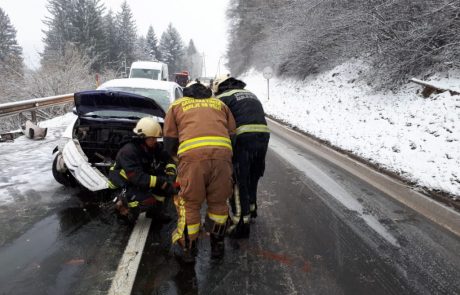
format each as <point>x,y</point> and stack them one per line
<point>402,132</point>
<point>25,164</point>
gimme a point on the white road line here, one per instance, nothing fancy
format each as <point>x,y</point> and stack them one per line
<point>123,281</point>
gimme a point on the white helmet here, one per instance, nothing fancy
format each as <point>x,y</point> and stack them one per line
<point>219,80</point>
<point>148,127</point>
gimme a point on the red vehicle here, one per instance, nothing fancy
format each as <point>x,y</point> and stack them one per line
<point>182,78</point>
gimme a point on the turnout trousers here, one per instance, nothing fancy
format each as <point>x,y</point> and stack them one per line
<point>249,167</point>
<point>204,174</point>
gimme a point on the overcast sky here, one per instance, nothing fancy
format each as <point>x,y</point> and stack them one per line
<point>201,20</point>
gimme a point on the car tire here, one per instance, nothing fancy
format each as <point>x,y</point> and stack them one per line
<point>66,178</point>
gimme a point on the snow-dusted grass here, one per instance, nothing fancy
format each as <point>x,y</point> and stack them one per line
<point>402,132</point>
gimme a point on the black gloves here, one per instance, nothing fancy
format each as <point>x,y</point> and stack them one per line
<point>167,184</point>
<point>162,182</point>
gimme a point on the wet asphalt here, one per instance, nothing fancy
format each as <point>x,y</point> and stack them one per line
<point>73,249</point>
<point>306,240</point>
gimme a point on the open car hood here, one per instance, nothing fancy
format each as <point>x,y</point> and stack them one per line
<point>96,100</point>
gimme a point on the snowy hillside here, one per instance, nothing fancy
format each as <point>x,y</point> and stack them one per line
<point>403,132</point>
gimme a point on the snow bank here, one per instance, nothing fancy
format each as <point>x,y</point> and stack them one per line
<point>402,132</point>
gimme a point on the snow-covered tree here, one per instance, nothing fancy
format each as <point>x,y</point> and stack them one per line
<point>11,63</point>
<point>59,30</point>
<point>88,30</point>
<point>298,38</point>
<point>67,73</point>
<point>172,49</point>
<point>112,50</point>
<point>152,44</point>
<point>193,60</point>
<point>141,51</point>
<point>76,22</point>
<point>126,33</point>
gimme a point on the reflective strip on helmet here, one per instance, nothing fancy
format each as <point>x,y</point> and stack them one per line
<point>252,128</point>
<point>193,229</point>
<point>133,204</point>
<point>153,181</point>
<point>228,93</point>
<point>220,219</point>
<point>204,141</point>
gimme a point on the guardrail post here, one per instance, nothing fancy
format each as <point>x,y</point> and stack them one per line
<point>33,114</point>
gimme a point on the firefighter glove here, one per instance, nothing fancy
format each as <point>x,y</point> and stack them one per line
<point>171,170</point>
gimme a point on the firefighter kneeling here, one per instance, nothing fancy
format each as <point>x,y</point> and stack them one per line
<point>198,129</point>
<point>143,171</point>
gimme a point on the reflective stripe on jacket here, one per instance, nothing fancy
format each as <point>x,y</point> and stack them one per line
<point>252,128</point>
<point>247,110</point>
<point>216,141</point>
<point>196,123</point>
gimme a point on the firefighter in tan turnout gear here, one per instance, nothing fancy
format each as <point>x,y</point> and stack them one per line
<point>198,129</point>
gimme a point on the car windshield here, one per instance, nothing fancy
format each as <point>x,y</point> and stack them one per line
<point>145,73</point>
<point>160,96</point>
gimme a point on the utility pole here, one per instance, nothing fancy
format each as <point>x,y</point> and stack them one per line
<point>203,69</point>
<point>218,67</point>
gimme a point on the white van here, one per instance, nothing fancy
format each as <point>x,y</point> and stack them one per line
<point>149,69</point>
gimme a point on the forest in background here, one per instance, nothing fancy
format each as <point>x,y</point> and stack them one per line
<point>82,39</point>
<point>298,38</point>
<point>399,39</point>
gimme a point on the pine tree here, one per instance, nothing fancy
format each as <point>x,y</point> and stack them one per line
<point>112,50</point>
<point>126,33</point>
<point>11,66</point>
<point>88,30</point>
<point>172,49</point>
<point>193,61</point>
<point>10,51</point>
<point>60,30</point>
<point>141,51</point>
<point>152,44</point>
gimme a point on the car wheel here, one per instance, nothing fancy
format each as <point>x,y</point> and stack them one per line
<point>64,178</point>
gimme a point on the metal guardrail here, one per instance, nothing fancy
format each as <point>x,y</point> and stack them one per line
<point>16,107</point>
<point>430,88</point>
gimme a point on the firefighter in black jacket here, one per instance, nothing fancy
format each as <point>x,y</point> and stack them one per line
<point>250,148</point>
<point>143,170</point>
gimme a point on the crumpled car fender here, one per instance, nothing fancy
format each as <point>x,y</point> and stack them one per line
<point>77,163</point>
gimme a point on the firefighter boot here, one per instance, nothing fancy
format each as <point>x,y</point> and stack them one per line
<point>186,250</point>
<point>217,233</point>
<point>253,209</point>
<point>217,246</point>
<point>188,254</point>
<point>241,230</point>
